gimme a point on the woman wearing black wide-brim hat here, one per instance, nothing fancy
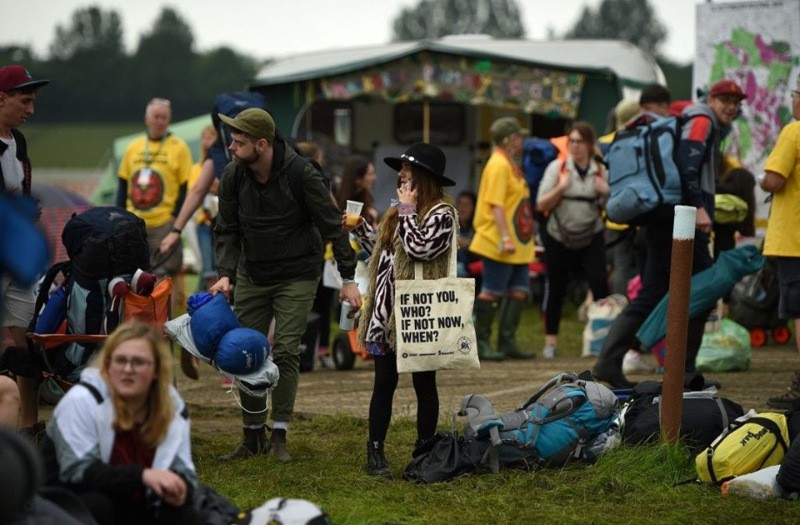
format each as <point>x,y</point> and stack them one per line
<point>419,228</point>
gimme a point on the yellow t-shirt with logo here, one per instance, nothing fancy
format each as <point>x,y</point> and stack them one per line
<point>503,185</point>
<point>782,238</point>
<point>155,171</point>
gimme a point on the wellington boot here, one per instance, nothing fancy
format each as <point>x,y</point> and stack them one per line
<point>484,316</point>
<point>510,314</point>
<point>621,336</point>
<point>376,460</point>
<point>254,444</point>
<point>278,442</point>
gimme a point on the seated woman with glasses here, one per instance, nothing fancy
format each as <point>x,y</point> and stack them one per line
<point>121,435</point>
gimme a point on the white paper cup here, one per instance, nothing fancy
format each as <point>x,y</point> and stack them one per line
<point>353,212</point>
<point>346,322</point>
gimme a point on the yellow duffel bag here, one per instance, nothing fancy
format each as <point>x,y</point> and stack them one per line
<point>752,442</point>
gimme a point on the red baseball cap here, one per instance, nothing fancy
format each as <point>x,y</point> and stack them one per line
<point>17,77</point>
<point>727,87</point>
<point>676,107</point>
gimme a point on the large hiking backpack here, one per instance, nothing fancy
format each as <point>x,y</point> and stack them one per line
<point>230,105</point>
<point>642,173</point>
<point>537,154</point>
<point>102,243</point>
<point>553,426</point>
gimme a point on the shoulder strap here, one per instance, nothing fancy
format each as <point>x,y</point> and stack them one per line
<point>566,377</point>
<point>44,289</point>
<point>772,427</point>
<point>93,390</point>
<point>297,167</point>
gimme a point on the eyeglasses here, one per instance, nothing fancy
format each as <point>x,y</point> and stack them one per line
<point>137,363</point>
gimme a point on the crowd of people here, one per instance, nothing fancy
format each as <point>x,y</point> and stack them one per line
<point>121,437</point>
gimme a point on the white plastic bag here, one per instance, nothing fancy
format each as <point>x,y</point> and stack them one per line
<point>600,315</point>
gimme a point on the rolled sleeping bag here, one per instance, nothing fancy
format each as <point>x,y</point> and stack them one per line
<point>212,320</point>
<point>241,351</point>
<point>197,300</point>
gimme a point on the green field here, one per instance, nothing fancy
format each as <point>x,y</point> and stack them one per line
<point>83,145</point>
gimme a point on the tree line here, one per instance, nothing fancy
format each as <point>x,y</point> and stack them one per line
<point>94,80</point>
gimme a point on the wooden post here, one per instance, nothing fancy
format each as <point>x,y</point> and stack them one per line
<point>680,277</point>
<point>426,121</point>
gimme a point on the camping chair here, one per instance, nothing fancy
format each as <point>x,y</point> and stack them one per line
<point>153,309</point>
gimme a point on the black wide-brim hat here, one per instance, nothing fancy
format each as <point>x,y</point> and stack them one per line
<point>426,156</point>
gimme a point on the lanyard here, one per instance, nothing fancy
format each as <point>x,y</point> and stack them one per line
<point>147,158</point>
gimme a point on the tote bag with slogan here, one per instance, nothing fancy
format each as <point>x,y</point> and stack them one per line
<point>434,321</point>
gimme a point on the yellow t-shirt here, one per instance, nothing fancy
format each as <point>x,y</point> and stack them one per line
<point>154,171</point>
<point>782,238</point>
<point>503,185</point>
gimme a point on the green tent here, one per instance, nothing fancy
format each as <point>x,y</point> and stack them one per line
<point>189,130</point>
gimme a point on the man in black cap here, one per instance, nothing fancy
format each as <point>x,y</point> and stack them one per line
<point>270,247</point>
<point>18,92</point>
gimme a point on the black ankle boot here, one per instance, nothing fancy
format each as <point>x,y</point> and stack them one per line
<point>277,441</point>
<point>376,461</point>
<point>254,443</point>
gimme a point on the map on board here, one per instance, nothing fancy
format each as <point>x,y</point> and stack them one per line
<point>756,44</point>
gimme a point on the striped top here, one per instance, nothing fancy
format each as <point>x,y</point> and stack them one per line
<point>422,242</point>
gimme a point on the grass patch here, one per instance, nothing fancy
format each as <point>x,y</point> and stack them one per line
<point>629,485</point>
<point>77,145</point>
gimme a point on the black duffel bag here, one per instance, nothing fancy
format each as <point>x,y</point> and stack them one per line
<point>443,457</point>
<point>705,415</point>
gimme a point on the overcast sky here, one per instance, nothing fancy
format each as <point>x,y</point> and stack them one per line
<point>272,28</point>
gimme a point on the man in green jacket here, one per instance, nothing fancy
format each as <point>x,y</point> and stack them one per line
<point>270,245</point>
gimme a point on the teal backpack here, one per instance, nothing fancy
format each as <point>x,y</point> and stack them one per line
<point>555,425</point>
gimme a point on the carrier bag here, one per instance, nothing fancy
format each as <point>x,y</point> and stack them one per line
<point>433,319</point>
<point>752,442</point>
<point>725,349</point>
<point>600,315</point>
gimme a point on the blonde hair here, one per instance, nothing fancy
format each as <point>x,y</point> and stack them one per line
<point>159,405</point>
<point>429,193</point>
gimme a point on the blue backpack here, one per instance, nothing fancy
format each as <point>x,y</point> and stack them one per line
<point>554,425</point>
<point>642,173</point>
<point>230,104</point>
<point>537,154</point>
<point>102,243</point>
